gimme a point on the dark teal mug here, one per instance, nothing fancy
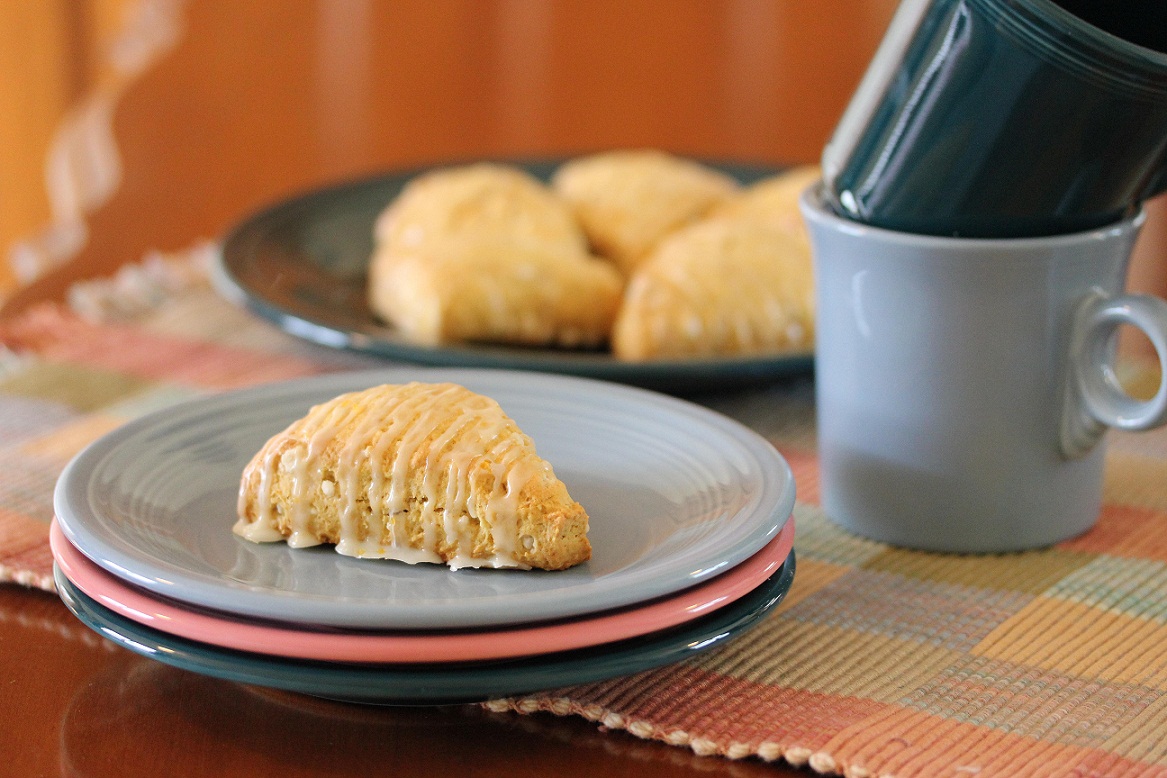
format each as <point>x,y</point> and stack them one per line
<point>1006,118</point>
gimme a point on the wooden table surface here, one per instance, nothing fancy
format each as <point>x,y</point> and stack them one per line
<point>255,101</point>
<point>75,705</point>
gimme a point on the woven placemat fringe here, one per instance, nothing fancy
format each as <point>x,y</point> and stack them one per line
<point>140,287</point>
<point>607,718</point>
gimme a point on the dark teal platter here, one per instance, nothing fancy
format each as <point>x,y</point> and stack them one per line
<point>436,684</point>
<point>301,265</point>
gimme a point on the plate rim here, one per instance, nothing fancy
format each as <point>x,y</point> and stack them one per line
<point>163,577</point>
<point>437,685</point>
<point>293,642</point>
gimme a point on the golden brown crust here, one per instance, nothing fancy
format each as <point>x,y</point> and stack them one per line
<point>719,287</point>
<point>627,201</point>
<point>496,291</point>
<point>487,253</point>
<point>483,200</point>
<point>420,472</point>
<point>773,199</point>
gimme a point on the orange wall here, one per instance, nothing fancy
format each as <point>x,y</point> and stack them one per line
<point>559,80</point>
<point>51,53</point>
<point>39,78</point>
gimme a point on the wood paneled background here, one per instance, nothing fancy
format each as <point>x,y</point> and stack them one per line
<point>52,54</point>
<point>215,107</point>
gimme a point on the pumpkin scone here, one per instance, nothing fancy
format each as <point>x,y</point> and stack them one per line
<point>487,253</point>
<point>415,472</point>
<point>628,200</point>
<point>496,291</point>
<point>485,200</point>
<point>773,199</point>
<point>722,287</point>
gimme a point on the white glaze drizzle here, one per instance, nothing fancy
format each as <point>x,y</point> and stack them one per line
<point>385,429</point>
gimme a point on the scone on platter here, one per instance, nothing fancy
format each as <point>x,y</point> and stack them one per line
<point>773,199</point>
<point>722,287</point>
<point>482,200</point>
<point>415,472</point>
<point>495,290</point>
<point>487,253</point>
<point>628,200</point>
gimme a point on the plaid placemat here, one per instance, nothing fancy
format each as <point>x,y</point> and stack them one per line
<point>880,662</point>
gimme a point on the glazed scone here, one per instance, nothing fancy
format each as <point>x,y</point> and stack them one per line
<point>483,290</point>
<point>773,199</point>
<point>723,287</point>
<point>484,200</point>
<point>627,201</point>
<point>415,472</point>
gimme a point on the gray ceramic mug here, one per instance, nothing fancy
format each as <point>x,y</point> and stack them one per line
<point>963,386</point>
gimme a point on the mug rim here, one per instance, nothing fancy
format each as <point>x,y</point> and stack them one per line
<point>1088,50</point>
<point>813,205</point>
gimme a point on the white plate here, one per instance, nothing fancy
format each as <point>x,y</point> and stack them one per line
<point>676,494</point>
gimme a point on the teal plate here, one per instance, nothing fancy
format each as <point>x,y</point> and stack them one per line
<point>301,265</point>
<point>436,684</point>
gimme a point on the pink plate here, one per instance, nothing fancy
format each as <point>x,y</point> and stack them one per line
<point>405,647</point>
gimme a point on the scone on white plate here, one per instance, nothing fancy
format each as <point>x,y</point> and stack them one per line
<point>415,472</point>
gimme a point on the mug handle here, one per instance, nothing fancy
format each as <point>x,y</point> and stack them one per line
<point>1095,399</point>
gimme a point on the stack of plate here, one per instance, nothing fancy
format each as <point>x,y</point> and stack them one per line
<point>690,528</point>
